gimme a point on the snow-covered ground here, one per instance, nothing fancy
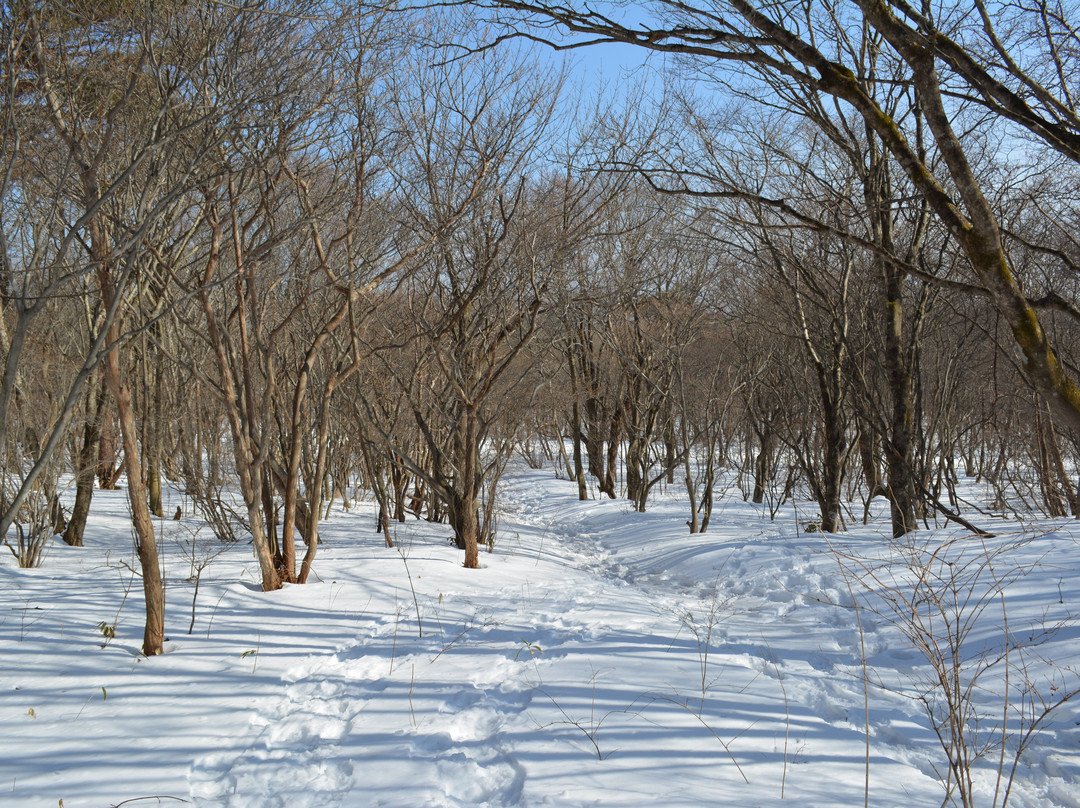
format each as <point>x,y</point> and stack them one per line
<point>600,657</point>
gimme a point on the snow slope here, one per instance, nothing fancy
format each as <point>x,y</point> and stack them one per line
<point>601,657</point>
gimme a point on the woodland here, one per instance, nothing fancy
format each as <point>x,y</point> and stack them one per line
<point>280,255</point>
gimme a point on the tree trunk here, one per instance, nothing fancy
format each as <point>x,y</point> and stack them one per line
<point>899,483</point>
<point>108,471</point>
<point>248,464</point>
<point>154,445</point>
<point>691,488</point>
<point>466,517</point>
<point>86,462</point>
<point>763,464</point>
<point>614,439</point>
<point>145,542</point>
<point>635,462</point>
<point>579,467</point>
<point>596,419</point>
<point>707,495</point>
<point>270,512</point>
<point>832,473</point>
<point>467,529</point>
<point>575,426</point>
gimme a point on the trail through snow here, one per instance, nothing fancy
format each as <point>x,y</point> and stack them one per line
<point>601,657</point>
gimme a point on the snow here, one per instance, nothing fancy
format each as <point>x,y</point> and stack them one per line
<point>600,657</point>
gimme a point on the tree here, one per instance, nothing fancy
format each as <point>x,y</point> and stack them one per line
<point>791,42</point>
<point>460,322</point>
<point>114,90</point>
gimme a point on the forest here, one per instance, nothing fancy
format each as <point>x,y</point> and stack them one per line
<point>279,255</point>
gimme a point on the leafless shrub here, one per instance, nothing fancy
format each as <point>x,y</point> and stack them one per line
<point>985,685</point>
<point>38,520</point>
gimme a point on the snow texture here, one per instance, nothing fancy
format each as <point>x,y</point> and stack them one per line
<point>601,657</point>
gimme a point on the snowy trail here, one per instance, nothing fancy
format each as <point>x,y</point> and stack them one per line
<point>601,658</point>
<point>327,742</point>
<point>508,680</point>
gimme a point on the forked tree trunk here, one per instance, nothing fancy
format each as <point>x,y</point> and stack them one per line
<point>378,488</point>
<point>763,463</point>
<point>146,544</point>
<point>86,462</point>
<point>399,482</point>
<point>249,467</point>
<point>322,438</point>
<point>613,442</point>
<point>1046,444</point>
<point>594,445</point>
<point>145,541</point>
<point>108,471</point>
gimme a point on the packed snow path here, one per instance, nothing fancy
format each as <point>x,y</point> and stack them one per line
<point>601,657</point>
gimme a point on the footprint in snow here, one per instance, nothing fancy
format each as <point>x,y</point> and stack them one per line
<point>325,743</point>
<point>294,760</point>
<point>465,739</point>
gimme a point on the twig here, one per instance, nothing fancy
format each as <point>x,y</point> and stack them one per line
<point>787,716</point>
<point>723,743</point>
<point>76,718</point>
<point>591,730</point>
<point>214,612</point>
<point>194,597</point>
<point>127,590</point>
<point>416,603</point>
<point>952,516</point>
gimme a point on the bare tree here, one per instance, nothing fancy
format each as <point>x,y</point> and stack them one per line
<point>792,42</point>
<point>128,144</point>
<point>470,310</point>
